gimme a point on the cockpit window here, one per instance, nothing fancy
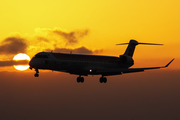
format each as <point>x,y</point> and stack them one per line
<point>41,56</point>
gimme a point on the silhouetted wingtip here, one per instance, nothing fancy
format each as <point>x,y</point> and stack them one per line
<point>169,63</point>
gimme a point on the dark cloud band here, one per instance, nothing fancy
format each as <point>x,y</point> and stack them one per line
<point>12,62</point>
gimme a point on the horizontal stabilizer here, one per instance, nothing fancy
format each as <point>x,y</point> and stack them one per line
<point>150,43</point>
<point>137,43</point>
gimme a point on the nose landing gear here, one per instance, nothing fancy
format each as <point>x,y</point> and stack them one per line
<point>37,73</point>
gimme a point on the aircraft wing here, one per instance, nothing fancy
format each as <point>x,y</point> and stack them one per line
<point>118,71</point>
<point>129,70</point>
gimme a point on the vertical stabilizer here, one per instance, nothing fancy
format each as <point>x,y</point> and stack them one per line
<point>131,47</point>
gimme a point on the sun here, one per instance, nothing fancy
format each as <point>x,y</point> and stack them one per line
<point>21,56</point>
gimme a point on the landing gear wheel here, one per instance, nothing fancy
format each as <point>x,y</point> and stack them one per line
<point>36,75</point>
<point>103,80</point>
<point>80,79</point>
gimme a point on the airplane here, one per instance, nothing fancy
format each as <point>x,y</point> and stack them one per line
<point>84,65</point>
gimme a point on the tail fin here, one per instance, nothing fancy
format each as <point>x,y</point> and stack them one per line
<point>131,46</point>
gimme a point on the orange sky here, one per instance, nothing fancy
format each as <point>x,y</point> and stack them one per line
<point>32,26</point>
<point>108,23</point>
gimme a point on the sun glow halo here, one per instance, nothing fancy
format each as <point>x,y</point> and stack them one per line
<point>18,57</point>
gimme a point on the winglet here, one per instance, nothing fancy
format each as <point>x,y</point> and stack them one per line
<point>169,63</point>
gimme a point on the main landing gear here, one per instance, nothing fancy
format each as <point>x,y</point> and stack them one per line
<point>103,79</point>
<point>37,73</point>
<point>80,79</point>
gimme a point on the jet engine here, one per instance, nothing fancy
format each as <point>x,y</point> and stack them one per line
<point>124,59</point>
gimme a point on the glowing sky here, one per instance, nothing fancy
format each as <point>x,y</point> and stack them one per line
<point>92,27</point>
<point>108,22</point>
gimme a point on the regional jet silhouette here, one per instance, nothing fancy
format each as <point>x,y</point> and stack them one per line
<point>84,65</point>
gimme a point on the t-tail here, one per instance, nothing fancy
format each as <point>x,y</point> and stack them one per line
<point>131,46</point>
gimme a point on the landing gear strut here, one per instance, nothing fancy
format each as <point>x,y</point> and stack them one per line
<point>103,79</point>
<point>80,79</point>
<point>37,73</point>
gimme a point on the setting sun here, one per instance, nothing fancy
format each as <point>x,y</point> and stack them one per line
<point>18,57</point>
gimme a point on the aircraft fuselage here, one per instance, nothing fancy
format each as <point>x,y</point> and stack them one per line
<point>77,63</point>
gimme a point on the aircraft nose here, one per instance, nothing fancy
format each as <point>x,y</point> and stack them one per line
<point>34,63</point>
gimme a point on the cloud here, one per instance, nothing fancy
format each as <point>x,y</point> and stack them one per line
<point>76,50</point>
<point>40,38</point>
<point>45,39</point>
<point>13,45</point>
<point>70,38</point>
<point>59,40</point>
<point>82,50</point>
<point>12,62</point>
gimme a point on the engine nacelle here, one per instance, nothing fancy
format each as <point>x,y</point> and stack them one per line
<point>126,60</point>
